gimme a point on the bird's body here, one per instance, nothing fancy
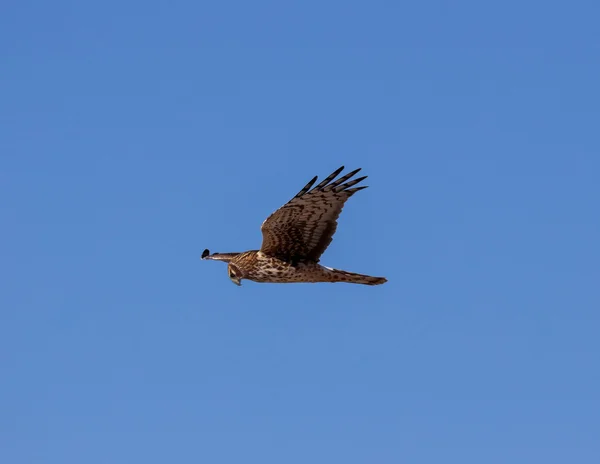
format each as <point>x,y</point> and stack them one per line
<point>295,236</point>
<point>260,267</point>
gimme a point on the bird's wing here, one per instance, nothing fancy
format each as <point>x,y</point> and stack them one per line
<point>303,228</point>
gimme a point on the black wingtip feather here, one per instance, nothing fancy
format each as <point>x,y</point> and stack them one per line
<point>307,187</point>
<point>352,191</point>
<point>329,178</point>
<point>337,186</point>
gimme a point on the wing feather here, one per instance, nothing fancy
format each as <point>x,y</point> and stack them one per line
<point>343,179</point>
<point>303,228</point>
<point>306,187</point>
<point>331,176</point>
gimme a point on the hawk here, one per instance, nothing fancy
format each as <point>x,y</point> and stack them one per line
<point>296,235</point>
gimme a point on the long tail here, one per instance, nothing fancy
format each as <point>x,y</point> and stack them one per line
<point>337,275</point>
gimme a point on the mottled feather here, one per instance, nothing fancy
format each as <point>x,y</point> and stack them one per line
<point>303,228</point>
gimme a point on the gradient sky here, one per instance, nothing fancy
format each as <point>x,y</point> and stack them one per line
<point>135,134</point>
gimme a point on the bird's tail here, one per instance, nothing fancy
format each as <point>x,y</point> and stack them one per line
<point>337,275</point>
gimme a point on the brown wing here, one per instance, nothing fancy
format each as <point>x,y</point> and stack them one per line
<point>303,228</point>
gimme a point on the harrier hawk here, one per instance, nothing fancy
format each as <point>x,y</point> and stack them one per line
<point>296,235</point>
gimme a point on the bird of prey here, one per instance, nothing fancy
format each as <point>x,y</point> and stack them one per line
<point>296,235</point>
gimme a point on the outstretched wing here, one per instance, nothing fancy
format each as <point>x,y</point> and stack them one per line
<point>303,228</point>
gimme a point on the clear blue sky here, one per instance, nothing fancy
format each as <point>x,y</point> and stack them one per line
<point>135,134</point>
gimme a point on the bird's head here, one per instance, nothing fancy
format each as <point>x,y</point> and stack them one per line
<point>234,274</point>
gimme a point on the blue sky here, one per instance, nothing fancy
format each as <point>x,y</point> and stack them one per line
<point>135,134</point>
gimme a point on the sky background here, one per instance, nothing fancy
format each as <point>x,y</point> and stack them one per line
<point>135,134</point>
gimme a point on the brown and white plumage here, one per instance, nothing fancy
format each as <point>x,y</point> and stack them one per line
<point>296,235</point>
